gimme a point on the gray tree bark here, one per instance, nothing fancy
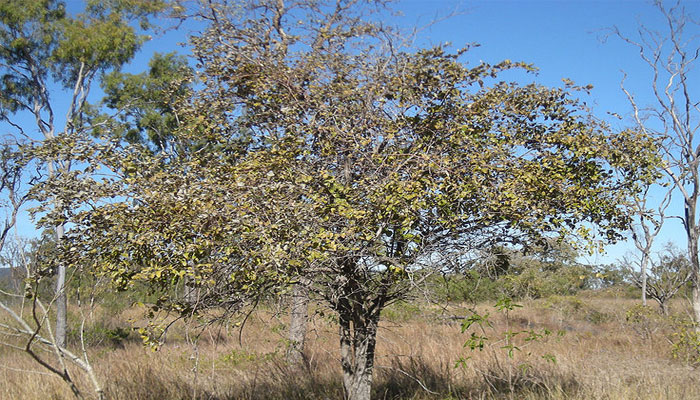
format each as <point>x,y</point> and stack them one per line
<point>61,329</point>
<point>692,232</point>
<point>357,345</point>
<point>644,263</point>
<point>61,307</point>
<point>299,317</point>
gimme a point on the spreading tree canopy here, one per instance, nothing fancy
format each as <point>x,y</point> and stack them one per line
<point>323,150</point>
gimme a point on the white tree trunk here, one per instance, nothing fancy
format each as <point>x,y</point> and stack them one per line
<point>644,264</point>
<point>692,232</point>
<point>61,299</point>
<point>60,293</point>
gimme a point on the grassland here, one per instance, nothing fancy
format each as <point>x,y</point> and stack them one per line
<point>590,348</point>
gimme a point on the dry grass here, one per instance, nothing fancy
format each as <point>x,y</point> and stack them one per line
<point>599,356</point>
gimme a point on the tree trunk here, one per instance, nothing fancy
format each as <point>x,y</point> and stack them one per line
<point>691,231</point>
<point>695,293</point>
<point>60,294</point>
<point>358,336</point>
<point>644,262</point>
<point>61,300</point>
<point>189,293</point>
<point>299,317</point>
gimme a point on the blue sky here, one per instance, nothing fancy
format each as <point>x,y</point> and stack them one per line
<point>564,39</point>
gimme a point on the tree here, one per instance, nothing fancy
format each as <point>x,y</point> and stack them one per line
<point>668,274</point>
<point>42,47</point>
<point>672,121</point>
<point>141,103</point>
<point>545,271</point>
<point>146,114</point>
<point>14,257</point>
<point>30,328</point>
<point>647,228</point>
<point>298,323</point>
<point>332,152</point>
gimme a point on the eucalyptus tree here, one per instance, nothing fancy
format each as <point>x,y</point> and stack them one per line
<point>49,59</point>
<point>140,105</point>
<point>330,154</point>
<point>673,117</point>
<point>26,330</point>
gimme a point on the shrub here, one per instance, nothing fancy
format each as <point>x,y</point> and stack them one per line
<point>468,287</point>
<point>685,340</point>
<point>401,311</point>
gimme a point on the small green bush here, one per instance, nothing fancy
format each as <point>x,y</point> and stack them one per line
<point>644,320</point>
<point>401,311</point>
<point>685,340</point>
<point>101,333</point>
<point>468,287</point>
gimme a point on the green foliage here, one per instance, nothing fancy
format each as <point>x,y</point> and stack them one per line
<point>533,282</point>
<point>544,272</point>
<point>566,304</point>
<point>597,317</point>
<point>470,287</point>
<point>146,101</point>
<point>511,342</point>
<point>100,333</point>
<point>645,321</point>
<point>608,276</point>
<point>536,275</point>
<point>40,38</point>
<point>401,311</point>
<point>98,327</point>
<point>237,358</point>
<point>685,340</point>
<point>309,150</point>
<point>575,307</point>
